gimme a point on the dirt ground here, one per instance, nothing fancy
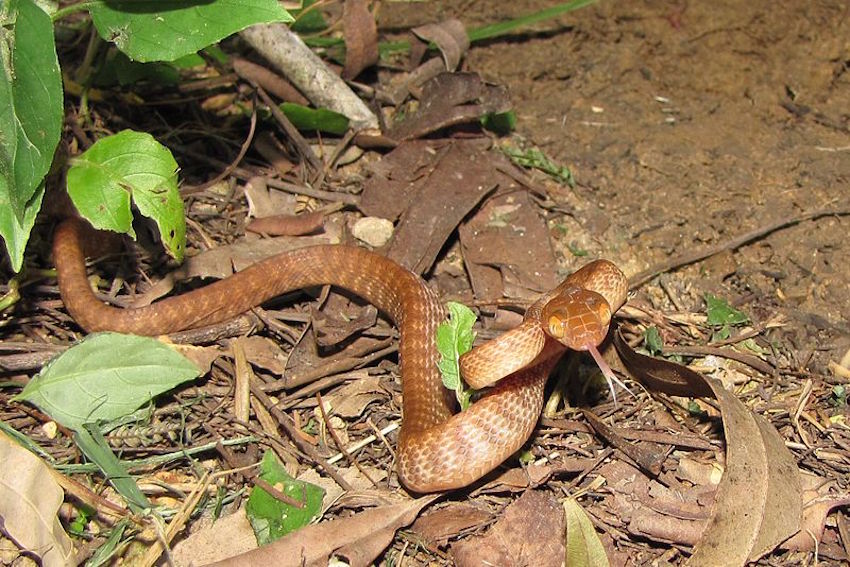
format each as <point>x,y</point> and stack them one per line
<point>689,123</point>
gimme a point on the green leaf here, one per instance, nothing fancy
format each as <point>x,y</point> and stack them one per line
<point>270,518</point>
<point>535,159</point>
<point>308,21</point>
<point>584,548</point>
<point>164,30</point>
<point>15,232</point>
<point>320,119</point>
<point>30,117</point>
<point>129,164</point>
<point>501,123</point>
<point>721,313</point>
<point>106,376</point>
<point>455,338</point>
<point>94,446</point>
<point>118,69</point>
<point>105,551</point>
<point>652,340</point>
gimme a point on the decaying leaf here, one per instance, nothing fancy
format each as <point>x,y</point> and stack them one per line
<point>361,37</point>
<point>449,36</point>
<point>29,502</point>
<point>438,526</point>
<point>359,538</point>
<point>584,547</point>
<point>530,532</point>
<point>758,503</point>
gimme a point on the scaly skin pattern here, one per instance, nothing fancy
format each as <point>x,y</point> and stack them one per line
<point>437,450</point>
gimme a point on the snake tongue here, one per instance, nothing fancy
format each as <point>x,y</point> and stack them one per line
<point>610,377</point>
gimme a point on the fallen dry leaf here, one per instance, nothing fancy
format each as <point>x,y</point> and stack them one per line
<point>449,36</point>
<point>433,185</point>
<point>438,526</point>
<point>450,99</point>
<point>758,502</point>
<point>29,501</point>
<point>351,399</point>
<point>288,225</point>
<point>818,502</point>
<point>359,538</point>
<point>361,37</point>
<point>530,532</point>
<point>507,249</point>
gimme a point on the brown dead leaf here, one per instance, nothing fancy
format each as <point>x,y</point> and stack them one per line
<point>350,400</point>
<point>506,246</point>
<point>361,37</point>
<point>330,331</point>
<point>359,538</point>
<point>433,185</point>
<point>758,502</point>
<point>29,503</point>
<point>531,532</point>
<point>449,36</point>
<point>520,479</point>
<point>288,225</point>
<point>450,99</point>
<point>818,503</point>
<point>202,356</point>
<point>264,202</point>
<point>264,353</point>
<point>438,526</point>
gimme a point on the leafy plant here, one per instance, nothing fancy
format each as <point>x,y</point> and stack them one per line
<point>104,378</point>
<point>31,92</point>
<point>455,338</point>
<point>272,518</point>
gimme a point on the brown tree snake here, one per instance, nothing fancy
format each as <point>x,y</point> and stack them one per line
<point>438,449</point>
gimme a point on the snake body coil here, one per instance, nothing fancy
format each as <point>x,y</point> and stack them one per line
<point>437,450</point>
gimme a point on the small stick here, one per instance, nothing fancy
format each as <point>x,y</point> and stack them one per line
<point>702,253</point>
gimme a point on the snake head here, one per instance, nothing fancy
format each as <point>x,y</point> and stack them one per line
<point>577,318</point>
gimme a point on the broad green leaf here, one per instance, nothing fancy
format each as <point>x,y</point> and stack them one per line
<point>30,117</point>
<point>106,376</point>
<point>455,338</point>
<point>320,119</point>
<point>270,518</point>
<point>164,30</point>
<point>584,548</point>
<point>94,446</point>
<point>652,340</point>
<point>721,313</point>
<point>16,233</point>
<point>129,165</point>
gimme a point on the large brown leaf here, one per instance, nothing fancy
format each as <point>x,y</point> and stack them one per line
<point>759,499</point>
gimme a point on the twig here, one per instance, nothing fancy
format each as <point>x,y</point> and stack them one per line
<point>191,189</point>
<point>702,253</point>
<point>297,62</point>
<point>292,433</point>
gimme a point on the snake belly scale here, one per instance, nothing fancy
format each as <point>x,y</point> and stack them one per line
<point>438,450</point>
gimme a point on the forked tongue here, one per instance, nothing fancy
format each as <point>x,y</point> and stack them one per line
<point>610,377</point>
